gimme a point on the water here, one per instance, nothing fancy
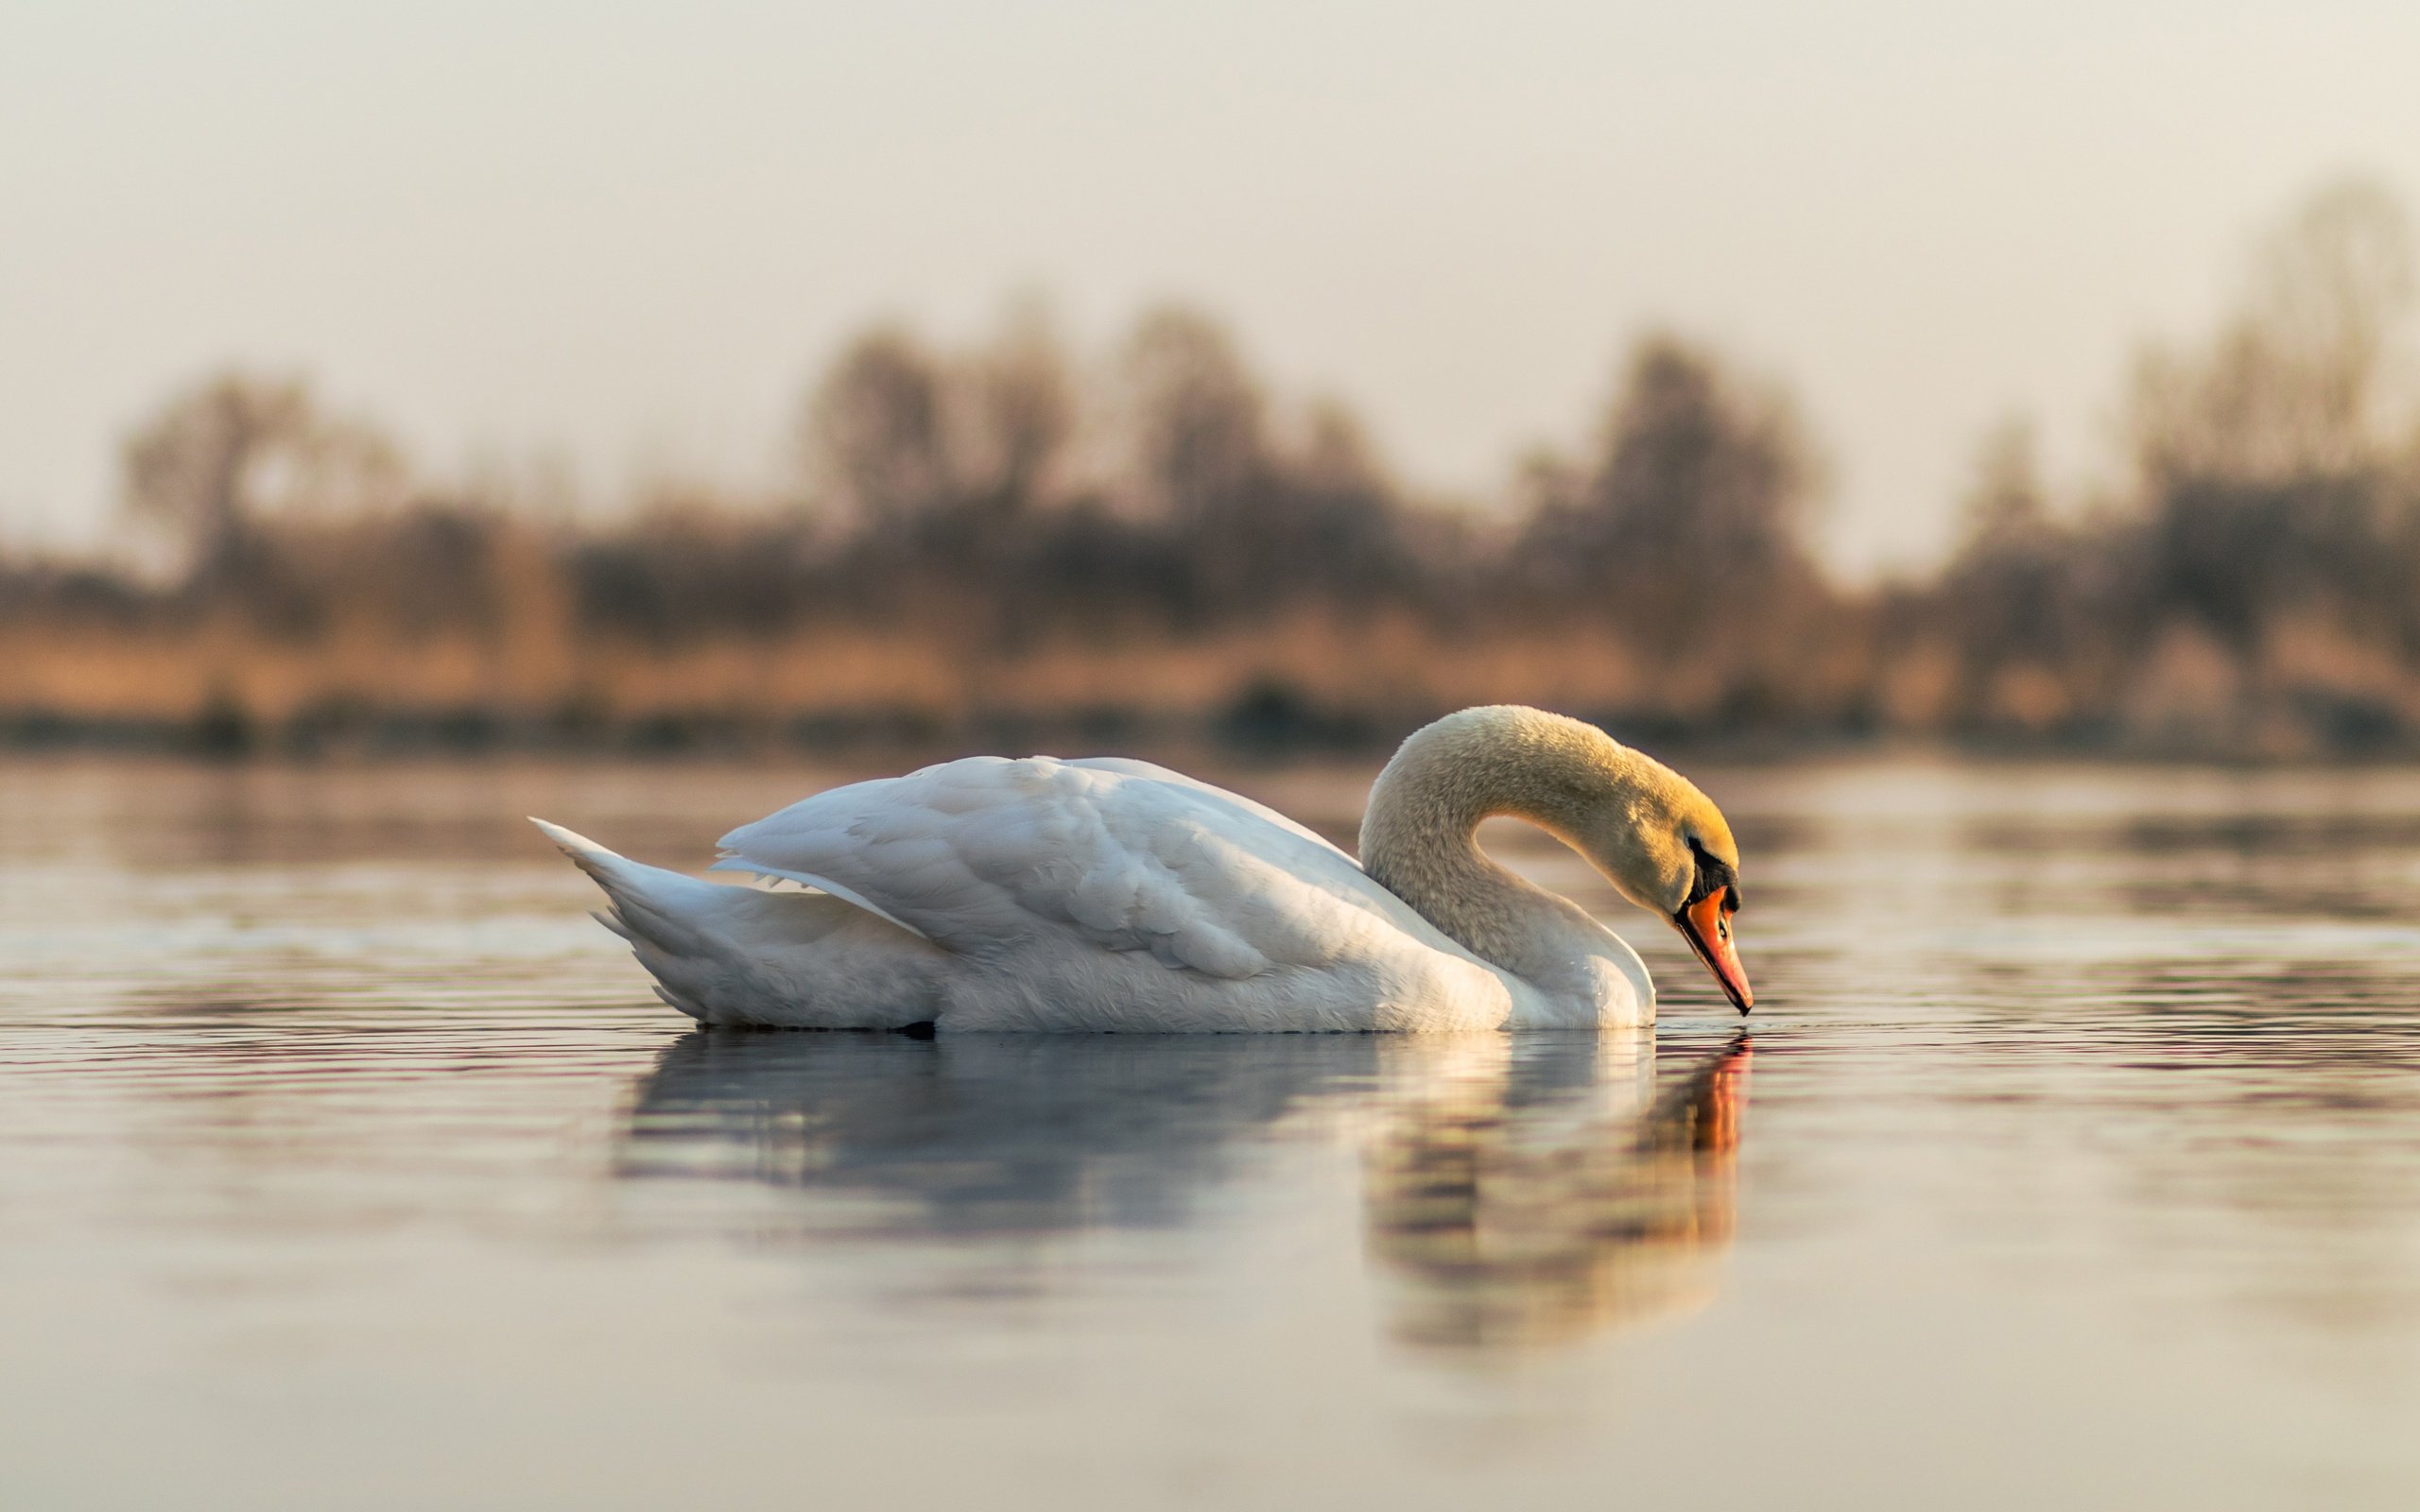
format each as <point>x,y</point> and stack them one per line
<point>2075,1160</point>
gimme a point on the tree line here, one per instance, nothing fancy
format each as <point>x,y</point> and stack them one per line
<point>1000,542</point>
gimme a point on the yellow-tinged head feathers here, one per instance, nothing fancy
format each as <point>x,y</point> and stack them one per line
<point>1653,835</point>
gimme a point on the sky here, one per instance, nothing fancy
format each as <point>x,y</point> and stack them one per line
<point>624,238</point>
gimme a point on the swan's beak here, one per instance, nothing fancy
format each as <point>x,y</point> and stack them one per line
<point>1706,925</point>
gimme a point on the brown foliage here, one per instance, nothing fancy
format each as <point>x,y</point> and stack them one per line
<point>989,545</point>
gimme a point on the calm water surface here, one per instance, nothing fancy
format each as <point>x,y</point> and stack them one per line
<point>2074,1160</point>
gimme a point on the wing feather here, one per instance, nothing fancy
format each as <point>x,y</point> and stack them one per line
<point>979,854</point>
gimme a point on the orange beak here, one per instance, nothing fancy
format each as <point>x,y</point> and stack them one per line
<point>1706,925</point>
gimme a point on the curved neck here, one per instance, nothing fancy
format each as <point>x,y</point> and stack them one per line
<point>1419,837</point>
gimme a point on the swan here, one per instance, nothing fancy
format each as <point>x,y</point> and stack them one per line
<point>1109,894</point>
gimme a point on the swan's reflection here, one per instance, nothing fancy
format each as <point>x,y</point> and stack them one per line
<point>1517,1189</point>
<point>968,1135</point>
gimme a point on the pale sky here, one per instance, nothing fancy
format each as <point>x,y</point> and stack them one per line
<point>628,236</point>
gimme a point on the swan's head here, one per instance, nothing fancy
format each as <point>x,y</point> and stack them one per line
<point>1664,846</point>
<point>1661,842</point>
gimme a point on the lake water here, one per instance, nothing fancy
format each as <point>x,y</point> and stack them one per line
<point>2074,1161</point>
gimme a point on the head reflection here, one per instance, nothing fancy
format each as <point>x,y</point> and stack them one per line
<point>1517,1191</point>
<point>1511,1210</point>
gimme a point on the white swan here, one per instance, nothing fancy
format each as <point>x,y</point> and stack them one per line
<point>1111,894</point>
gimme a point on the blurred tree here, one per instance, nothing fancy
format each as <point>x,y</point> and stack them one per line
<point>1259,513</point>
<point>1196,418</point>
<point>2006,507</point>
<point>1023,403</point>
<point>2015,605</point>
<point>1346,528</point>
<point>1690,520</point>
<point>219,459</point>
<point>2266,485</point>
<point>689,568</point>
<point>2292,385</point>
<point>877,435</point>
<point>905,439</point>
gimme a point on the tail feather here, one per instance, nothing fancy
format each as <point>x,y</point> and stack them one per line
<point>671,1001</point>
<point>725,954</point>
<point>662,913</point>
<point>650,902</point>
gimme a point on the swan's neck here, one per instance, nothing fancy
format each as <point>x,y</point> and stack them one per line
<point>1419,838</point>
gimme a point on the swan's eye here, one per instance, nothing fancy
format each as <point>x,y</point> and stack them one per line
<point>1712,876</point>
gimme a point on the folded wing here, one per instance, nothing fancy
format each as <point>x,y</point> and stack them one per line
<point>980,855</point>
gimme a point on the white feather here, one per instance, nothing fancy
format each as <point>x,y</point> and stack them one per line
<point>1097,894</point>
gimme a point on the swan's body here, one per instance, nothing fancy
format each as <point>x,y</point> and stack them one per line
<point>1111,894</point>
